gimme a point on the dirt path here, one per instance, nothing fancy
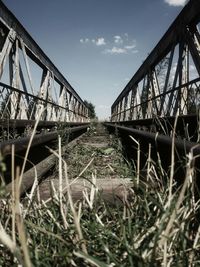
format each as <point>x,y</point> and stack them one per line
<point>96,156</point>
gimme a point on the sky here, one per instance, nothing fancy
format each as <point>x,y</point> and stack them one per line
<point>97,45</point>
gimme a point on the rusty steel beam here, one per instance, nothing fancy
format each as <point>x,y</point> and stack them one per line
<point>4,124</point>
<point>41,168</point>
<point>158,140</point>
<point>22,143</point>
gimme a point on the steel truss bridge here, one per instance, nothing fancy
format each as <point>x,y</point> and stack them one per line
<point>20,99</point>
<point>164,93</point>
<point>165,87</point>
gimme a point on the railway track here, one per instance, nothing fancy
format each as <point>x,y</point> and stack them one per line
<point>93,151</point>
<point>161,149</point>
<point>68,179</point>
<point>94,183</point>
<point>39,151</point>
<point>93,159</point>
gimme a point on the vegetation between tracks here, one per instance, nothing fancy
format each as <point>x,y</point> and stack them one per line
<point>153,226</point>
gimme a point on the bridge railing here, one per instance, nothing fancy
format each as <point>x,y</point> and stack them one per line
<point>167,83</point>
<point>29,79</point>
<point>15,104</point>
<point>165,104</point>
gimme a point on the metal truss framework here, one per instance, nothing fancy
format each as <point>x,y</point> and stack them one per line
<point>168,82</point>
<point>19,99</point>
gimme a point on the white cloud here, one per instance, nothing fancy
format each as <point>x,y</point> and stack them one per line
<point>100,41</point>
<point>126,35</point>
<point>84,40</point>
<point>119,49</point>
<point>115,50</point>
<point>130,47</point>
<point>118,39</point>
<point>118,45</point>
<point>176,2</point>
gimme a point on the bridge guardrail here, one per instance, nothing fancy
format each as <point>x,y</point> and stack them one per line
<point>167,83</point>
<point>23,64</point>
<point>16,104</point>
<point>169,101</point>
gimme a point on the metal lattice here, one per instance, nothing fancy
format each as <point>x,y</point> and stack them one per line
<point>20,99</point>
<point>167,83</point>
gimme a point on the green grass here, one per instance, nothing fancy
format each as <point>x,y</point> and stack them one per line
<point>149,228</point>
<point>121,235</point>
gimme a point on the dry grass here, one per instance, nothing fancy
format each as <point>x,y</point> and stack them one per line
<point>156,226</point>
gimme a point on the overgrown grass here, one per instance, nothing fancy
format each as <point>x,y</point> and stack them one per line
<point>107,160</point>
<point>154,226</point>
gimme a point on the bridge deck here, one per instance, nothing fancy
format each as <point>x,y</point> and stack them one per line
<point>93,158</point>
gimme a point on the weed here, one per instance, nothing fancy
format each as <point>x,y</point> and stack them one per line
<point>155,226</point>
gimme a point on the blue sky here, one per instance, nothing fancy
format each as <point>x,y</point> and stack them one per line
<point>97,45</point>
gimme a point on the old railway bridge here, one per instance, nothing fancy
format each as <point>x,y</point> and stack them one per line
<point>158,108</point>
